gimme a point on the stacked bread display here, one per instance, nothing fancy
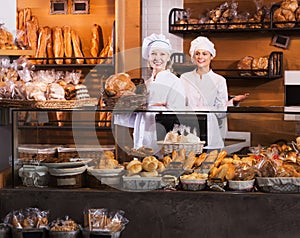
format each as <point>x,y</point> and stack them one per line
<point>60,44</point>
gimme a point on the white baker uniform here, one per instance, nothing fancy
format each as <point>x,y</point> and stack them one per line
<point>208,94</point>
<point>165,89</point>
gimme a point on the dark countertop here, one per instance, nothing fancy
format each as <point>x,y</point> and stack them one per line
<point>171,213</point>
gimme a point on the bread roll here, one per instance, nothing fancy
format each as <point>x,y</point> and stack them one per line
<point>160,167</point>
<point>149,174</point>
<point>67,44</point>
<point>77,47</point>
<point>134,166</point>
<point>150,163</point>
<point>58,44</point>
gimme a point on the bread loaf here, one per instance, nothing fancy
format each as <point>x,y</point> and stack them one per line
<point>32,35</point>
<point>49,46</point>
<point>58,44</point>
<point>282,15</point>
<point>77,47</point>
<point>67,44</point>
<point>96,42</point>
<point>291,5</point>
<point>260,63</point>
<point>245,64</point>
<point>42,44</point>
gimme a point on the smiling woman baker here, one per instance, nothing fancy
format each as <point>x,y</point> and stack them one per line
<point>207,90</point>
<point>164,89</point>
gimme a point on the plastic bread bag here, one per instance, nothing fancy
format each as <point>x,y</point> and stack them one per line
<point>64,224</point>
<point>27,218</point>
<point>104,220</point>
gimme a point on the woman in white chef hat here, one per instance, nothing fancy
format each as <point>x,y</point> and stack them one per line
<point>208,90</point>
<point>165,91</point>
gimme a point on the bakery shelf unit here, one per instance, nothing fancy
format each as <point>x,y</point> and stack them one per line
<point>273,71</point>
<point>178,24</point>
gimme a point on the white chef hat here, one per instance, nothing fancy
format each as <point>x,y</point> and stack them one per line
<point>202,43</point>
<point>155,41</point>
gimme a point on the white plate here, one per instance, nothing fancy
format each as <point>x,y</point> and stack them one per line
<point>103,172</point>
<point>74,162</point>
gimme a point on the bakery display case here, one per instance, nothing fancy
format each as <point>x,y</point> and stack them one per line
<point>81,141</point>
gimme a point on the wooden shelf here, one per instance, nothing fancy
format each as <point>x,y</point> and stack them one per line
<point>16,52</point>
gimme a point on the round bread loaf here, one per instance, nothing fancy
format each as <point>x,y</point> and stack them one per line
<point>291,5</point>
<point>260,63</point>
<point>245,64</point>
<point>282,15</point>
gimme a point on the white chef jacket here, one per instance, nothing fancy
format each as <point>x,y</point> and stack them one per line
<point>166,89</point>
<point>208,93</point>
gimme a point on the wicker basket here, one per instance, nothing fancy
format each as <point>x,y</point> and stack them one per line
<point>39,152</point>
<point>278,184</point>
<point>137,101</point>
<point>16,103</point>
<point>168,147</point>
<point>48,104</point>
<point>68,152</point>
<point>132,183</point>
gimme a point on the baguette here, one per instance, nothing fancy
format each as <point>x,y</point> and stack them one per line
<point>58,47</point>
<point>41,48</point>
<point>77,47</point>
<point>49,47</point>
<point>32,35</point>
<point>67,44</point>
<point>96,42</point>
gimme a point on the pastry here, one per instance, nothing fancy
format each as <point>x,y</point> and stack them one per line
<point>200,160</point>
<point>189,162</point>
<point>149,174</point>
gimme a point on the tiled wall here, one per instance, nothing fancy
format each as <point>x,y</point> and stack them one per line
<point>155,20</point>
